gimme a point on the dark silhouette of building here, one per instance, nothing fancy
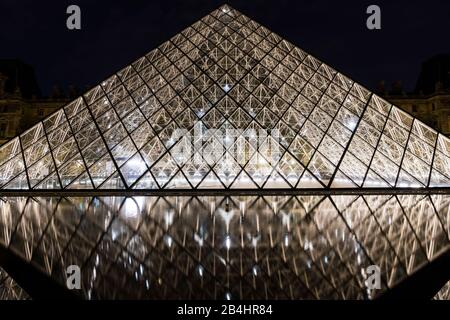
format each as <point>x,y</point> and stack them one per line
<point>21,101</point>
<point>430,100</point>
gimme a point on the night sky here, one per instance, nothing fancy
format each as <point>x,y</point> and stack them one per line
<point>115,33</point>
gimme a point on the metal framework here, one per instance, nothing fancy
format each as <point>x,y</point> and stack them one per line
<point>9,289</point>
<point>227,163</point>
<point>227,104</point>
<point>243,247</point>
<point>444,293</point>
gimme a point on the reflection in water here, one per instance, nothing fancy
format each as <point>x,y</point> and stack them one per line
<point>443,293</point>
<point>9,289</point>
<point>248,247</point>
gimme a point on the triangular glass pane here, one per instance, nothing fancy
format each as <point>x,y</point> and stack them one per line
<point>146,182</point>
<point>342,181</point>
<point>322,168</point>
<point>438,180</point>
<point>227,169</point>
<point>51,182</point>
<point>65,151</point>
<point>353,168</point>
<point>309,181</point>
<point>258,168</point>
<point>71,170</point>
<point>133,169</point>
<point>373,180</point>
<point>20,182</point>
<point>178,182</point>
<point>164,170</point>
<point>276,181</point>
<point>196,169</point>
<point>11,169</point>
<point>210,182</point>
<point>113,182</point>
<point>243,181</point>
<point>8,150</point>
<point>101,170</point>
<point>40,170</point>
<point>416,168</point>
<point>406,180</point>
<point>82,182</point>
<point>152,151</point>
<point>290,169</point>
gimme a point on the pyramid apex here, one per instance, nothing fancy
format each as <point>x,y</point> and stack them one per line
<point>225,7</point>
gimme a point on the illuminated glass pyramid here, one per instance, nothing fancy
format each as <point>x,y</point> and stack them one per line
<point>226,104</point>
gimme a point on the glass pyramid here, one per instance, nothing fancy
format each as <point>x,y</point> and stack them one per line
<point>212,247</point>
<point>226,104</point>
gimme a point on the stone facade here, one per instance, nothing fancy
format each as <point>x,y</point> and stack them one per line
<point>18,113</point>
<point>432,109</point>
<point>21,104</point>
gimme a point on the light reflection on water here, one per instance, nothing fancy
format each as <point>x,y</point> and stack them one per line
<point>247,247</point>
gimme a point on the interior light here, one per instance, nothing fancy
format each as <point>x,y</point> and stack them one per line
<point>131,209</point>
<point>168,240</point>
<point>286,240</point>
<point>200,271</point>
<point>351,124</point>
<point>228,241</point>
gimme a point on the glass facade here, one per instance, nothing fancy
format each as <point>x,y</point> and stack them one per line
<point>9,289</point>
<point>227,105</point>
<point>246,247</point>
<point>444,293</point>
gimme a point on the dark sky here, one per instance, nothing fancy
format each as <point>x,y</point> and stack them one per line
<point>114,33</point>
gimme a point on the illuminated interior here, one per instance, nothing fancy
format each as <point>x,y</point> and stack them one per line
<point>227,105</point>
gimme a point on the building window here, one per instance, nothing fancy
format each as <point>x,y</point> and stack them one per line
<point>414,108</point>
<point>433,107</point>
<point>40,112</point>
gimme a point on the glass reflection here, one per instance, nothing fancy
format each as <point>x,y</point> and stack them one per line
<point>9,289</point>
<point>239,247</point>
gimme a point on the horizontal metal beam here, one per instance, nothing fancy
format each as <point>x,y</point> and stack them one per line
<point>222,192</point>
<point>424,283</point>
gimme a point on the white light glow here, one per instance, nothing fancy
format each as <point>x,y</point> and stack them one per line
<point>286,240</point>
<point>228,242</point>
<point>200,271</point>
<point>168,240</point>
